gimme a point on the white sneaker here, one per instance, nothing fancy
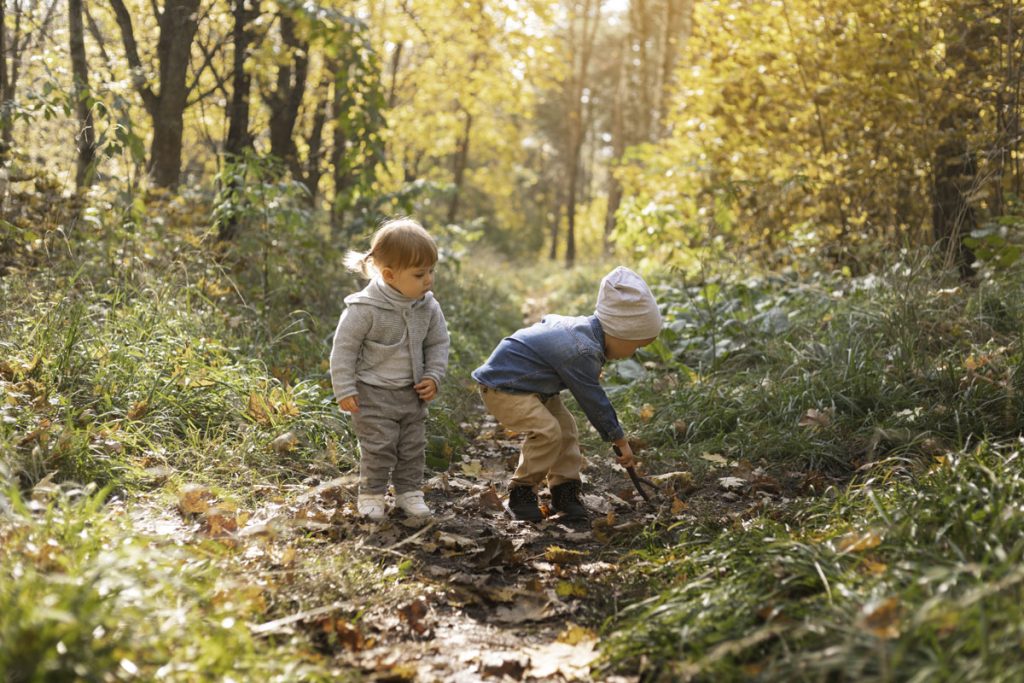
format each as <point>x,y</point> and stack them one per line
<point>372,507</point>
<point>411,503</point>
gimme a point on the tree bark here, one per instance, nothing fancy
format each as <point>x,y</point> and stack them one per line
<point>591,18</point>
<point>85,139</point>
<point>954,175</point>
<point>285,100</point>
<point>459,163</point>
<point>5,112</point>
<point>239,137</point>
<point>177,24</point>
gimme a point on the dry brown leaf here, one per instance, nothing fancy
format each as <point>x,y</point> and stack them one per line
<point>524,610</point>
<point>220,521</point>
<point>138,409</point>
<point>414,615</point>
<point>345,633</point>
<point>490,500</point>
<point>194,499</point>
<point>816,418</point>
<point>678,506</point>
<point>883,617</point>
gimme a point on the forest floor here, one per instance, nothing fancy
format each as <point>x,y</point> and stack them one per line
<point>466,595</point>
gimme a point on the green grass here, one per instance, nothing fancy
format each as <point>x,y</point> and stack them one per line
<point>908,572</point>
<point>145,360</point>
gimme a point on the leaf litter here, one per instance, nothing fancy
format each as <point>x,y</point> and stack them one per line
<point>466,595</point>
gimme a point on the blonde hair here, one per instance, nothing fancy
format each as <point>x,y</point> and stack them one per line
<point>398,244</point>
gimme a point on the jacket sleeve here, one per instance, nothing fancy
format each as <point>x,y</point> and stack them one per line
<point>435,347</point>
<point>581,378</point>
<point>352,328</point>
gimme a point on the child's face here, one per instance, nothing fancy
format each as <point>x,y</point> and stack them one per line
<point>617,349</point>
<point>412,282</point>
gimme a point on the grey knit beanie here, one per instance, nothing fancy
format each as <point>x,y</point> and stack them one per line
<point>626,307</point>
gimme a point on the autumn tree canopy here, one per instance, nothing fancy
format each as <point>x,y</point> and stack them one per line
<point>775,129</point>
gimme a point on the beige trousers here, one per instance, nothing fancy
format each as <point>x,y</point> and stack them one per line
<point>551,449</point>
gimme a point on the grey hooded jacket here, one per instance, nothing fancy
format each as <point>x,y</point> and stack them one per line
<point>388,340</point>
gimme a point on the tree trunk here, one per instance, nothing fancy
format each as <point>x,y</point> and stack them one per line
<point>5,111</point>
<point>315,143</point>
<point>86,138</point>
<point>954,176</point>
<point>678,26</point>
<point>177,29</point>
<point>287,96</point>
<point>618,133</point>
<point>10,85</point>
<point>459,164</point>
<point>177,25</point>
<point>591,18</point>
<point>239,138</point>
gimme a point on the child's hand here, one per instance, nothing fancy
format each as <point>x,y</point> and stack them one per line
<point>625,453</point>
<point>350,404</point>
<point>426,389</point>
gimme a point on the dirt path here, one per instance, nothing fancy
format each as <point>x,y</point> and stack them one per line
<point>469,595</point>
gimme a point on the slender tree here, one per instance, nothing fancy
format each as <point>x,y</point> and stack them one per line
<point>177,24</point>
<point>85,138</point>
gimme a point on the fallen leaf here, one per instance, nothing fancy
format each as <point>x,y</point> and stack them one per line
<point>523,611</point>
<point>883,617</point>
<point>557,555</point>
<point>714,458</point>
<point>570,589</point>
<point>732,483</point>
<point>194,499</point>
<point>138,409</point>
<point>816,418</point>
<point>646,412</point>
<point>473,468</point>
<point>562,660</point>
<point>414,613</point>
<point>490,500</point>
<point>344,633</point>
<point>502,664</point>
<point>575,634</point>
<point>859,541</point>
<point>285,443</point>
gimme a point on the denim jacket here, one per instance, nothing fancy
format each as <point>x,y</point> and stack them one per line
<point>557,353</point>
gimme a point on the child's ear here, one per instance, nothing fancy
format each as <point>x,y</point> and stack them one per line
<point>387,275</point>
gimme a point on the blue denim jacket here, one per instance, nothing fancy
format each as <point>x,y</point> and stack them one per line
<point>557,353</point>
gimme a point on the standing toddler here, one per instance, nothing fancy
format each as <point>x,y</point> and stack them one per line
<point>390,353</point>
<point>522,381</point>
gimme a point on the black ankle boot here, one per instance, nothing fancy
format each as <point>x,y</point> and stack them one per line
<point>522,503</point>
<point>565,498</point>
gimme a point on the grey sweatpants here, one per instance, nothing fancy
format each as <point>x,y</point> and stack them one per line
<point>391,428</point>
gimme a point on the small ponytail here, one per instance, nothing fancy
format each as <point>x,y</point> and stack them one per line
<point>360,262</point>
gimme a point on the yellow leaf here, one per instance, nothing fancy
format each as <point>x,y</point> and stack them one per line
<point>678,506</point>
<point>568,589</point>
<point>557,555</point>
<point>859,541</point>
<point>646,412</point>
<point>138,409</point>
